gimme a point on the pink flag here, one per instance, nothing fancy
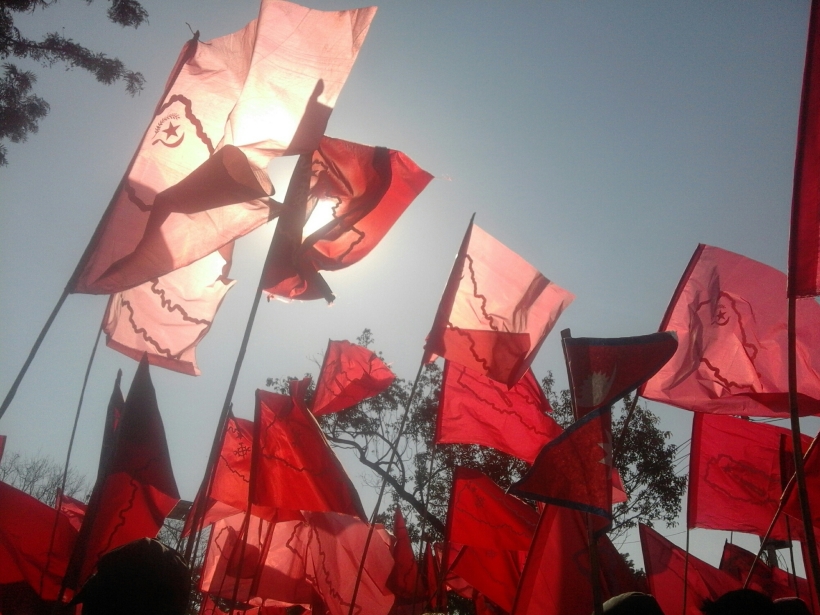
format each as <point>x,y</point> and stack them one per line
<point>496,310</point>
<point>804,244</point>
<point>474,409</point>
<point>199,178</point>
<point>168,316</point>
<point>730,317</point>
<point>342,201</point>
<point>349,374</point>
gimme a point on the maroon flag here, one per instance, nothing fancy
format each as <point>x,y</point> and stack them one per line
<point>474,409</point>
<point>136,490</point>
<point>774,582</point>
<point>731,324</point>
<point>349,374</point>
<point>734,475</point>
<point>26,526</point>
<point>666,567</point>
<point>605,370</point>
<point>804,240</point>
<point>496,310</point>
<point>574,469</point>
<point>199,179</point>
<point>344,199</point>
<point>297,469</point>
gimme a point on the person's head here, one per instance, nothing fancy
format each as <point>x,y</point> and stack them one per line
<point>739,602</point>
<point>791,606</point>
<point>632,603</point>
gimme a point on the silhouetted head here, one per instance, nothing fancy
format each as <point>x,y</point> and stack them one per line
<point>632,603</point>
<point>740,602</point>
<point>791,606</point>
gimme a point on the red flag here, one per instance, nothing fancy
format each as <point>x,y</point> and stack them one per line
<point>199,178</point>
<point>26,526</point>
<point>811,467</point>
<point>496,310</point>
<point>605,370</point>
<point>474,409</point>
<point>575,469</point>
<point>73,509</point>
<point>734,475</point>
<point>297,469</point>
<point>804,240</point>
<point>347,198</point>
<point>405,577</point>
<point>349,374</point>
<point>168,316</point>
<point>494,573</point>
<point>481,515</point>
<point>665,565</point>
<point>136,490</point>
<point>730,319</point>
<point>773,582</point>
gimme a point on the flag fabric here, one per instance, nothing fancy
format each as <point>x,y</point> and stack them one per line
<point>811,468</point>
<point>557,574</point>
<point>474,409</point>
<point>349,374</point>
<point>136,490</point>
<point>345,198</point>
<point>297,469</point>
<point>774,582</point>
<point>496,310</point>
<point>665,565</point>
<point>26,526</point>
<point>199,177</point>
<point>404,580</point>
<point>804,240</point>
<point>574,469</point>
<point>71,508</point>
<point>168,316</point>
<point>605,370</point>
<point>495,573</point>
<point>734,475</point>
<point>732,328</point>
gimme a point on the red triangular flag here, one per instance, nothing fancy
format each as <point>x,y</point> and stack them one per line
<point>496,310</point>
<point>199,178</point>
<point>575,469</point>
<point>731,324</point>
<point>297,469</point>
<point>804,240</point>
<point>474,409</point>
<point>774,582</point>
<point>345,198</point>
<point>349,374</point>
<point>605,370</point>
<point>405,580</point>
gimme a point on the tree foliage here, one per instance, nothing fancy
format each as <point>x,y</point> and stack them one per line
<point>20,109</point>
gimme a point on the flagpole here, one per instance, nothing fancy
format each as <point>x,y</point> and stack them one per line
<point>685,572</point>
<point>423,527</point>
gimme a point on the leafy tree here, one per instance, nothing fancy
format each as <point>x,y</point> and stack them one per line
<point>20,109</point>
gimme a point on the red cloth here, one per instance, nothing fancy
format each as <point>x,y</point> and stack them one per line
<point>136,490</point>
<point>811,467</point>
<point>168,316</point>
<point>349,374</point>
<point>297,469</point>
<point>665,565</point>
<point>26,525</point>
<point>496,310</point>
<point>804,244</point>
<point>774,582</point>
<point>73,509</point>
<point>494,573</point>
<point>232,104</point>
<point>734,475</point>
<point>474,409</point>
<point>344,199</point>
<point>405,580</point>
<point>575,469</point>
<point>730,317</point>
<point>605,370</point>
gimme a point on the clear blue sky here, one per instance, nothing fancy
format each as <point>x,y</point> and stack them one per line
<point>600,140</point>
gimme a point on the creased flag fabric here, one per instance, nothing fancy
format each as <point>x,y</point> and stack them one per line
<point>474,409</point>
<point>137,489</point>
<point>347,196</point>
<point>168,316</point>
<point>804,240</point>
<point>404,580</point>
<point>199,177</point>
<point>73,509</point>
<point>26,526</point>
<point>494,573</point>
<point>730,317</point>
<point>665,567</point>
<point>297,469</point>
<point>811,467</point>
<point>574,469</point>
<point>496,310</point>
<point>349,374</point>
<point>734,475</point>
<point>604,370</point>
<point>773,582</point>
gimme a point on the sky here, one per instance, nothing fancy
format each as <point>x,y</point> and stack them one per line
<point>600,140</point>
